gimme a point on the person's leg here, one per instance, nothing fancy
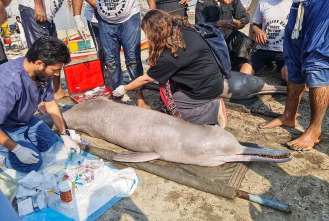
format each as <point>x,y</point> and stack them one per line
<point>41,135</point>
<point>112,45</point>
<point>247,69</point>
<point>279,60</point>
<point>284,73</point>
<point>30,26</point>
<point>94,32</point>
<point>58,90</point>
<point>257,60</point>
<point>19,135</point>
<point>131,39</point>
<point>319,101</point>
<point>289,117</point>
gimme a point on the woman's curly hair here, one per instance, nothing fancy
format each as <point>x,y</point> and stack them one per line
<point>163,31</point>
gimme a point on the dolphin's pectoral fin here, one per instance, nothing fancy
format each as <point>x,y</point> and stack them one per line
<point>136,156</point>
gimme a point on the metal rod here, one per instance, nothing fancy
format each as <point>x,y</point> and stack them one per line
<point>263,201</point>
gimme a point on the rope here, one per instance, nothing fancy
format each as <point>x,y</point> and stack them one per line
<point>299,22</point>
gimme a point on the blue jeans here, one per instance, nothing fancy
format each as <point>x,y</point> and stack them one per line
<point>127,35</point>
<point>35,135</point>
<point>35,29</point>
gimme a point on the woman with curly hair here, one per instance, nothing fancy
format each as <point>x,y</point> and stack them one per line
<point>183,64</point>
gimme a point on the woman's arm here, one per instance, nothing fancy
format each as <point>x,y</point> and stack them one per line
<point>136,84</point>
<point>139,82</point>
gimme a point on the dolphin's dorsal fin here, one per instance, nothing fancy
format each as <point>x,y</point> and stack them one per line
<point>136,156</point>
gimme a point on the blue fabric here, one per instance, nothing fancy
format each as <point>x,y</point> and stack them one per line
<point>7,213</point>
<point>259,58</point>
<point>35,135</point>
<point>218,46</point>
<point>19,95</point>
<point>46,214</point>
<point>307,58</point>
<point>127,35</point>
<point>34,29</point>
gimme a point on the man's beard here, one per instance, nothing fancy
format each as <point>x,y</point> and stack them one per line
<point>41,75</point>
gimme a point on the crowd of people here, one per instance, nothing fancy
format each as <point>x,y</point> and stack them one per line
<point>179,58</point>
<point>293,33</point>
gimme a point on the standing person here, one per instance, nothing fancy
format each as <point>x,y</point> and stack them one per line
<point>179,55</point>
<point>16,28</point>
<point>92,23</point>
<point>174,7</point>
<point>25,82</point>
<point>228,16</point>
<point>268,27</point>
<point>37,20</point>
<point>307,58</point>
<point>119,25</point>
<point>20,30</point>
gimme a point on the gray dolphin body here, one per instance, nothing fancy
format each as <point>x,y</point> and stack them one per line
<point>154,135</point>
<point>242,86</point>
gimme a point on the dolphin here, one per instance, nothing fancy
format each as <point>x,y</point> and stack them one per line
<point>153,135</point>
<point>241,86</point>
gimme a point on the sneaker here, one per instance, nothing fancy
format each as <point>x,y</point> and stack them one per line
<point>222,118</point>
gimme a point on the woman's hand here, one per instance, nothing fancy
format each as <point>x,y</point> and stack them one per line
<point>120,91</point>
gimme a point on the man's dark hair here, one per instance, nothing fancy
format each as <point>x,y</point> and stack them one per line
<point>49,50</point>
<point>17,17</point>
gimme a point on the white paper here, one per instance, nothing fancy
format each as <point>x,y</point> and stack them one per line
<point>25,207</point>
<point>31,180</point>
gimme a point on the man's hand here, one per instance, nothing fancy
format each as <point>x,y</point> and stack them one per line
<point>40,13</point>
<point>241,23</point>
<point>260,37</point>
<point>69,143</point>
<point>25,155</point>
<point>120,91</point>
<point>80,26</point>
<point>227,24</point>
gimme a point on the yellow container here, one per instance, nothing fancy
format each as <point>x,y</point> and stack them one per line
<point>73,46</point>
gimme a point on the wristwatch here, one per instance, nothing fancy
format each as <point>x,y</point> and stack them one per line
<point>66,133</point>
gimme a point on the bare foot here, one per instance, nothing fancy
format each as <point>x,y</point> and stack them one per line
<point>142,104</point>
<point>306,141</point>
<point>60,94</point>
<point>140,100</point>
<point>42,108</point>
<point>280,121</point>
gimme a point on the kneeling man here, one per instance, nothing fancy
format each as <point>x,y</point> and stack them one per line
<point>24,83</point>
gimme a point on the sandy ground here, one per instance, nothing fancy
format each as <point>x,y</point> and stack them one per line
<point>302,182</point>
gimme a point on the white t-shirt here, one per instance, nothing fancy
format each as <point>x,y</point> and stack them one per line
<point>117,11</point>
<point>51,6</point>
<point>272,15</point>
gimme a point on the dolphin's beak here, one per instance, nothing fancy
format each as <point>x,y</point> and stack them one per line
<point>258,154</point>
